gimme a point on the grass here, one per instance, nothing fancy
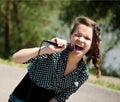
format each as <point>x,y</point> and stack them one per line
<point>104,83</point>
<point>10,62</point>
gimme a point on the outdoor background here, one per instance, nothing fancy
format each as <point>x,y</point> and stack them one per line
<point>25,23</point>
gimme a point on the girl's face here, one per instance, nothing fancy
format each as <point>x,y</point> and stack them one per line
<point>82,39</point>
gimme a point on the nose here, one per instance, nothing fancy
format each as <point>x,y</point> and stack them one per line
<point>81,39</point>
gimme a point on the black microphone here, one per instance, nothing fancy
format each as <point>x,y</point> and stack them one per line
<point>70,47</point>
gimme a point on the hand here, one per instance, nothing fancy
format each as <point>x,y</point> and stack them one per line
<point>53,100</point>
<point>62,44</point>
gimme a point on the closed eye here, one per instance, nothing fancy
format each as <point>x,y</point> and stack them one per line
<point>87,38</point>
<point>77,34</point>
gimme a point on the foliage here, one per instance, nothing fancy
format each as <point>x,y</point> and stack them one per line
<point>25,23</point>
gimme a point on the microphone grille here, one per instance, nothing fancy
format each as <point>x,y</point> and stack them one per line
<point>70,47</point>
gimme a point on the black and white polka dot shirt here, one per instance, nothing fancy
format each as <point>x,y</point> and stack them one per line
<point>47,71</point>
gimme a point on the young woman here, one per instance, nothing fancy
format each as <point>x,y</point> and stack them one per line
<point>55,73</point>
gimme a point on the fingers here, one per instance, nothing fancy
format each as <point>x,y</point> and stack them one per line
<point>60,42</point>
<point>61,45</point>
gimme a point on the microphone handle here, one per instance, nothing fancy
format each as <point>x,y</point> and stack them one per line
<point>52,43</point>
<point>70,47</point>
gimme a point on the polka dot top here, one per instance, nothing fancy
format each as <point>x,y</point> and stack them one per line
<point>47,71</point>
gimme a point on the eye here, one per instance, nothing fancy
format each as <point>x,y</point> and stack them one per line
<point>77,35</point>
<point>87,38</point>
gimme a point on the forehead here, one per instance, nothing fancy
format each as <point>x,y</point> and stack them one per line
<point>84,29</point>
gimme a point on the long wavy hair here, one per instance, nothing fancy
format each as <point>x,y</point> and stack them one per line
<point>94,54</point>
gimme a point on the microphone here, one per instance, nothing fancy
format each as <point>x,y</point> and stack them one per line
<point>70,47</point>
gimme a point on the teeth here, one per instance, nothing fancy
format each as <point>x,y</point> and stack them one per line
<point>78,46</point>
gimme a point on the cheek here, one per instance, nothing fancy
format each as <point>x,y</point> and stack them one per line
<point>89,48</point>
<point>72,38</point>
<point>89,44</point>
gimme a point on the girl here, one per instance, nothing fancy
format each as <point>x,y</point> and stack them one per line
<point>55,73</point>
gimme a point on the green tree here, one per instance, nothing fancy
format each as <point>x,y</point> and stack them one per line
<point>25,23</point>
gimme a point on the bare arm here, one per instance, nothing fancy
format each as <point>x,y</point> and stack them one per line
<point>24,55</point>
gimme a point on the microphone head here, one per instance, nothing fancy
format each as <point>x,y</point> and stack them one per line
<point>70,47</point>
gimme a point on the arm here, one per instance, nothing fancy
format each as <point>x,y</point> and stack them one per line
<point>24,55</point>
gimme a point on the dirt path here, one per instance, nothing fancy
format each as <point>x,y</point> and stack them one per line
<point>11,76</point>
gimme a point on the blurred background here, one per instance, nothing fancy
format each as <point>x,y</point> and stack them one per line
<point>25,23</point>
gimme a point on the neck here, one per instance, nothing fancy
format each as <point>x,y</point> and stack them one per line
<point>73,59</point>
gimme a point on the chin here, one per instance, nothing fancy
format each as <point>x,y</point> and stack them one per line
<point>78,53</point>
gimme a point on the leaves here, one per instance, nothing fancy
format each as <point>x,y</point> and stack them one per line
<point>31,22</point>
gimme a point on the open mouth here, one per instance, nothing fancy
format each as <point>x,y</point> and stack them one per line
<point>78,48</point>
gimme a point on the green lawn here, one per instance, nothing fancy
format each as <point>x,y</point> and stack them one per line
<point>104,83</point>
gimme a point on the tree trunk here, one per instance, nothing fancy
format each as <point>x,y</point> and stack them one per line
<point>8,28</point>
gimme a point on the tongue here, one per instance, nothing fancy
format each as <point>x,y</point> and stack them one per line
<point>78,48</point>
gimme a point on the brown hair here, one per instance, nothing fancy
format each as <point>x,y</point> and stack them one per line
<point>94,54</point>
